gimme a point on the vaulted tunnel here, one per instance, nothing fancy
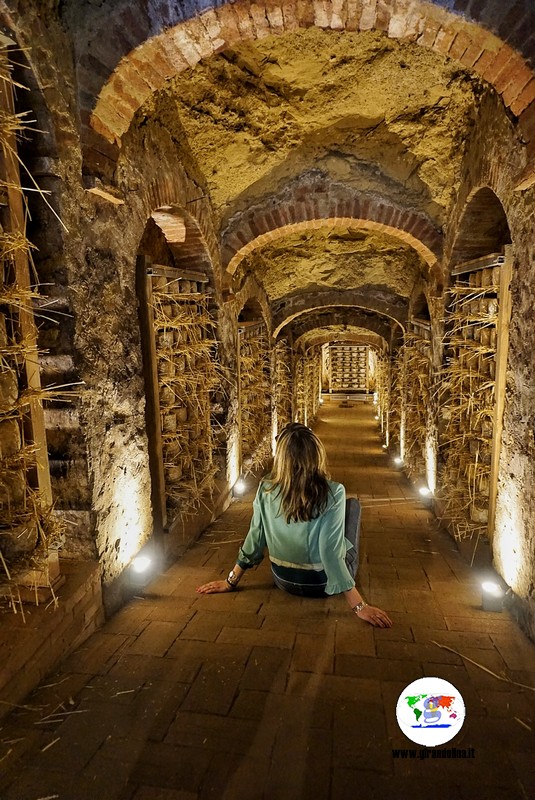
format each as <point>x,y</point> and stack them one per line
<point>218,218</point>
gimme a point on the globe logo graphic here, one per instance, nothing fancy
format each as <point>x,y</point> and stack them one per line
<point>430,711</point>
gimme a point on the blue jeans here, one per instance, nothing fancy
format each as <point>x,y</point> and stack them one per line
<point>312,583</point>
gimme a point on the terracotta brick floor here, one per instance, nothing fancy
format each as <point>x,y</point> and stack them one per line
<point>259,694</point>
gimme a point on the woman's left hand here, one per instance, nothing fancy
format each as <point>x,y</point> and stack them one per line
<point>375,616</point>
<point>214,587</point>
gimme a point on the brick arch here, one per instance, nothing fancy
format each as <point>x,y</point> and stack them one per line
<point>148,44</point>
<point>325,315</point>
<point>199,249</point>
<point>323,335</point>
<point>257,229</point>
<point>252,291</point>
<point>185,238</point>
<point>482,228</point>
<point>382,302</point>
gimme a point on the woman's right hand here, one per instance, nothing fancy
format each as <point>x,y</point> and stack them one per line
<point>214,587</point>
<point>375,616</point>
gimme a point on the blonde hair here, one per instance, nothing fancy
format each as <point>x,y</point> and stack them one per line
<point>299,474</point>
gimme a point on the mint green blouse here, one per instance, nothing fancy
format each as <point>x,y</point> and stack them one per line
<point>319,544</point>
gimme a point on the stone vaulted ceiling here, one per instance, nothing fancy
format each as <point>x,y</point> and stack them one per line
<point>355,115</point>
<point>329,148</point>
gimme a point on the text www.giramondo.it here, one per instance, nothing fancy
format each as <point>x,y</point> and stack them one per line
<point>444,752</point>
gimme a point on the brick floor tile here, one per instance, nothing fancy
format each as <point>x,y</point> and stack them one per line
<point>172,609</point>
<point>511,702</point>
<point>479,623</point>
<point>350,783</point>
<point>313,653</point>
<point>297,622</point>
<point>130,620</point>
<point>314,710</point>
<point>473,791</point>
<point>363,667</point>
<point>169,698</point>
<point>117,689</point>
<point>83,733</point>
<point>416,651</point>
<point>304,749</point>
<point>353,636</point>
<point>490,660</point>
<point>214,688</point>
<point>96,656</point>
<point>156,638</point>
<point>222,734</point>
<point>420,601</point>
<point>185,652</point>
<point>235,776</point>
<point>172,767</point>
<point>41,783</point>
<point>207,625</point>
<point>284,639</point>
<point>266,670</point>
<point>249,704</point>
<point>132,667</point>
<point>524,771</point>
<point>260,695</point>
<point>155,793</point>
<point>514,652</point>
<point>334,686</point>
<point>458,640</point>
<point>399,633</point>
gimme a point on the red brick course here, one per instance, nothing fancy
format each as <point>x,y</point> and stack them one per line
<point>255,227</point>
<point>148,62</point>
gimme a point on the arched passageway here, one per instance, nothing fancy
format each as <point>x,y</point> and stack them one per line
<point>258,693</point>
<point>242,214</point>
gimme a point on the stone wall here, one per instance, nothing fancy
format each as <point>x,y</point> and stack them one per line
<point>495,158</point>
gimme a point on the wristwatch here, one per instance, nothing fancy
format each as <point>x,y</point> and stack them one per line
<point>232,579</point>
<point>359,607</point>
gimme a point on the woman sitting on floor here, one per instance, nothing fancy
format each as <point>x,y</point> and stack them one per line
<point>299,515</point>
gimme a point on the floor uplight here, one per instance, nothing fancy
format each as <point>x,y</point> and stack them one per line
<point>140,564</point>
<point>425,491</point>
<point>142,570</point>
<point>239,487</point>
<point>398,460</point>
<point>492,596</point>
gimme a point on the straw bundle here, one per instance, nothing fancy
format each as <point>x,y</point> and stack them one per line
<point>28,526</point>
<point>255,396</point>
<point>382,384</point>
<point>282,383</point>
<point>467,390</point>
<point>417,382</point>
<point>395,402</point>
<point>188,375</point>
<point>300,390</point>
<point>312,378</point>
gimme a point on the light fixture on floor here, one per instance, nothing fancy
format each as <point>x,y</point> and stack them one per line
<point>384,446</point>
<point>376,416</point>
<point>144,566</point>
<point>140,564</point>
<point>425,491</point>
<point>398,460</point>
<point>492,596</point>
<point>239,487</point>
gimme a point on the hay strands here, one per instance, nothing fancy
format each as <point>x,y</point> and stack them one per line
<point>485,669</point>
